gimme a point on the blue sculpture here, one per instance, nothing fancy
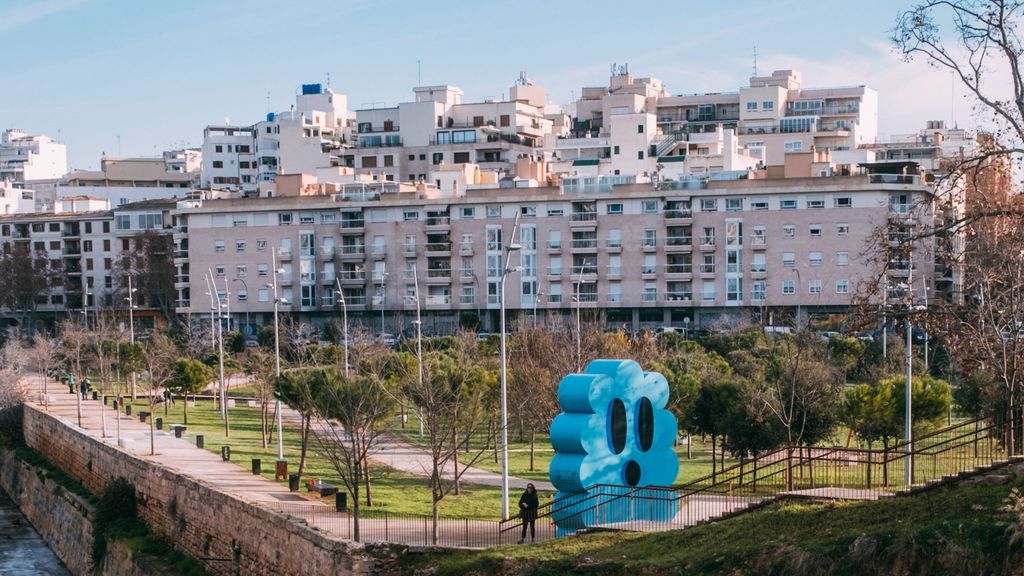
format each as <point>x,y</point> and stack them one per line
<point>614,437</point>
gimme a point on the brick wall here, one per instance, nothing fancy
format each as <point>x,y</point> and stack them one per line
<point>228,535</point>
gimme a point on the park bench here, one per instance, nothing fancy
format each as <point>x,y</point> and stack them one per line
<point>322,488</point>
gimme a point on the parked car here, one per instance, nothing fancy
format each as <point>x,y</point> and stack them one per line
<point>828,334</point>
<point>389,340</point>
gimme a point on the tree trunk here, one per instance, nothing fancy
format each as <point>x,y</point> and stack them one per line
<point>263,424</point>
<point>304,432</point>
<point>490,434</point>
<point>533,446</point>
<point>522,431</point>
<point>355,505</point>
<point>714,460</point>
<point>366,474</point>
<point>689,447</point>
<point>455,454</point>
<point>185,409</point>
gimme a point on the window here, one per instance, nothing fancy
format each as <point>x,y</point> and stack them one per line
<point>708,291</point>
<point>504,120</point>
<point>788,231</point>
<point>788,259</point>
<point>734,261</point>
<point>794,146</point>
<point>554,239</point>
<point>467,212</point>
<point>615,208</point>
<point>218,269</point>
<point>707,265</point>
<point>555,211</point>
<point>284,219</point>
<point>759,263</point>
<point>814,287</point>
<point>751,106</point>
<point>650,237</point>
<point>262,269</point>
<point>709,204</point>
<point>788,287</point>
<point>218,245</point>
<point>410,215</point>
<point>768,105</point>
<point>86,245</point>
<point>436,158</point>
<point>733,204</point>
<point>263,294</point>
<point>787,204</point>
<point>328,217</point>
<point>493,239</point>
<point>239,220</point>
<point>239,245</point>
<point>842,202</point>
<point>494,211</point>
<point>649,207</point>
<point>218,164</point>
<point>461,157</point>
<point>733,289</point>
<point>616,150</point>
<point>757,289</point>
<point>241,270</point>
<point>639,128</point>
<point>758,204</point>
<point>814,258</point>
<point>243,295</point>
<point>650,264</point>
<point>305,218</point>
<point>528,211</point>
<point>815,202</point>
<point>261,245</point>
<point>815,230</point>
<point>842,258</point>
<point>640,155</point>
<point>842,286</point>
<point>758,238</point>
<point>123,222</point>
<point>842,229</point>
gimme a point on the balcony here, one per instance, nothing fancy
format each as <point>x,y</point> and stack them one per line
<point>583,219</point>
<point>894,179</point>
<point>678,244</point>
<point>352,251</point>
<point>180,254</point>
<point>554,246</point>
<point>409,250</point>
<point>585,245</point>
<point>437,224</point>
<point>678,216</point>
<point>466,249</point>
<point>614,246</point>
<point>707,243</point>
<point>467,276</point>
<point>285,278</point>
<point>352,225</point>
<point>71,251</point>
<point>181,281</point>
<point>354,301</point>
<point>444,274</point>
<point>441,300</point>
<point>352,276</point>
<point>648,272</point>
<point>284,253</point>
<point>679,269</point>
<point>758,243</point>
<point>650,245</point>
<point>676,296</point>
<point>182,304</point>
<point>439,249</point>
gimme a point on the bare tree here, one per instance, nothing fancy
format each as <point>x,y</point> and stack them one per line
<point>349,418</point>
<point>44,356</point>
<point>260,368</point>
<point>158,361</point>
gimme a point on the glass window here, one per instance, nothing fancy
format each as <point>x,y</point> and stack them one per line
<point>218,245</point>
<point>734,204</point>
<point>239,245</point>
<point>814,287</point>
<point>649,207</point>
<point>842,258</point>
<point>494,211</point>
<point>615,208</point>
<point>788,231</point>
<point>467,212</point>
<point>768,105</point>
<point>787,204</point>
<point>843,202</point>
<point>815,202</point>
<point>751,106</point>
<point>410,215</point>
<point>842,229</point>
<point>814,258</point>
<point>708,204</point>
<point>758,204</point>
<point>788,287</point>
<point>842,286</point>
<point>815,230</point>
<point>789,259</point>
<point>758,238</point>
<point>528,211</point>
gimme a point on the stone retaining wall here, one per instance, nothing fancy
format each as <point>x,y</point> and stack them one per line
<point>228,535</point>
<point>62,518</point>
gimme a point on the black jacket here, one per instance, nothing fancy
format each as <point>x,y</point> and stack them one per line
<point>528,504</point>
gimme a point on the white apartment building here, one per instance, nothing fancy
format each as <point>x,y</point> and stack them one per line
<point>25,159</point>
<point>16,200</point>
<point>637,127</point>
<point>408,141</point>
<point>931,147</point>
<point>685,253</point>
<point>298,141</point>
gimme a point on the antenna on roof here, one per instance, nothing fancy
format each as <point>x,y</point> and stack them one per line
<point>755,59</point>
<point>419,75</point>
<point>268,101</point>
<point>328,81</point>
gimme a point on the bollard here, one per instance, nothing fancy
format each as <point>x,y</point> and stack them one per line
<point>225,453</point>
<point>280,470</point>
<point>341,502</point>
<point>143,415</point>
<point>95,395</point>
<point>178,430</point>
<point>256,467</point>
<point>159,423</point>
<point>199,440</point>
<point>128,409</point>
<point>293,482</point>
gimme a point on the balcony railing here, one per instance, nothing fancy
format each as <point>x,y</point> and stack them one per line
<point>466,272</point>
<point>707,268</point>
<point>586,297</point>
<point>615,297</point>
<point>466,249</point>
<point>439,247</point>
<point>554,271</point>
<point>707,240</point>
<point>356,249</point>
<point>614,244</point>
<point>679,241</point>
<point>355,300</point>
<point>352,275</point>
<point>615,270</point>
<point>584,216</point>
<point>678,214</point>
<point>438,300</point>
<point>677,295</point>
<point>646,269</point>
<point>438,220</point>
<point>585,243</point>
<point>409,248</point>
<point>679,269</point>
<point>467,299</point>
<point>439,273</point>
<point>650,296</point>
<point>894,179</point>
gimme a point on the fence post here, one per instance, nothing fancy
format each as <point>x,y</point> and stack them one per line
<point>871,457</point>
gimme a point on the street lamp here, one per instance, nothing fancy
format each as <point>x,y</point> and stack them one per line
<point>277,353</point>
<point>577,298</point>
<point>344,315</point>
<point>246,288</point>
<point>509,249</point>
<point>383,296</point>
<point>419,343</point>
<point>799,297</point>
<point>536,298</point>
<point>219,336</point>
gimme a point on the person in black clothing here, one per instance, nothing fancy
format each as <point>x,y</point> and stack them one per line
<point>528,504</point>
<point>85,388</point>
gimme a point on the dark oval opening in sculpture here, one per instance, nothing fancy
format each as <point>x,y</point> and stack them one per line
<point>631,473</point>
<point>617,426</point>
<point>645,424</point>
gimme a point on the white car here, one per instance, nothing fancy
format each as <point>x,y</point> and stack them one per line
<point>389,339</point>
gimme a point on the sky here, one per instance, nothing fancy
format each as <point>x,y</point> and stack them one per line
<point>135,77</point>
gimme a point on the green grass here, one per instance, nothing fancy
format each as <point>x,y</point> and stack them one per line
<point>948,531</point>
<point>392,490</point>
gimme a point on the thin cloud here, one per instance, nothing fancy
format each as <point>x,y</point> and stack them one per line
<point>23,15</point>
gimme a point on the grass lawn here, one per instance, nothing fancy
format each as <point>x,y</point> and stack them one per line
<point>948,531</point>
<point>392,491</point>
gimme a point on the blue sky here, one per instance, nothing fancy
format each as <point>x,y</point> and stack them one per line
<point>155,73</point>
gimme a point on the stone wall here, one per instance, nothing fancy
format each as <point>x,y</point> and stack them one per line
<point>62,518</point>
<point>226,534</point>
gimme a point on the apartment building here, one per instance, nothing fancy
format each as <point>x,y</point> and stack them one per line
<point>932,147</point>
<point>122,181</point>
<point>408,141</point>
<point>25,159</point>
<point>635,254</point>
<point>299,140</point>
<point>637,127</point>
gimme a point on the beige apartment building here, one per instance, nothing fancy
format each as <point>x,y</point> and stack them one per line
<point>684,253</point>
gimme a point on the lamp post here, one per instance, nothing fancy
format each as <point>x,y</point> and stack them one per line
<point>419,342</point>
<point>536,298</point>
<point>908,431</point>
<point>383,296</point>
<point>218,333</point>
<point>509,249</point>
<point>277,355</point>
<point>131,324</point>
<point>344,316</point>
<point>246,288</point>
<point>576,299</point>
<point>799,296</point>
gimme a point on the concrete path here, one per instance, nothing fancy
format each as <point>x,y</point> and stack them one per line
<point>22,549</point>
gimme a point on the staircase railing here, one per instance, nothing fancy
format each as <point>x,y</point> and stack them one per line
<point>824,473</point>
